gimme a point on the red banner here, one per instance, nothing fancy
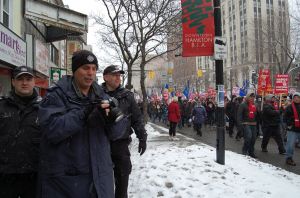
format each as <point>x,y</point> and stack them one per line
<point>211,92</point>
<point>197,28</point>
<point>282,84</point>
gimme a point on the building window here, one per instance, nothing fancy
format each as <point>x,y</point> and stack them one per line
<point>54,55</point>
<point>4,9</point>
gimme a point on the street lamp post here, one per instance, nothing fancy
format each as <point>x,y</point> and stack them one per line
<point>220,141</point>
<point>297,67</point>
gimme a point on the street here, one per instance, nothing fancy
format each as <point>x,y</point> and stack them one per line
<point>272,157</point>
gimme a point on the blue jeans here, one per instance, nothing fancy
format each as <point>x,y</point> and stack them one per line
<point>249,139</point>
<point>290,144</point>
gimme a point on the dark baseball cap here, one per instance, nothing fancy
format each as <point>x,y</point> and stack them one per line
<point>112,69</point>
<point>18,71</point>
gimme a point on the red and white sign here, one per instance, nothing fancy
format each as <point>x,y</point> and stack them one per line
<point>211,92</point>
<point>235,91</point>
<point>282,84</point>
<point>166,94</point>
<point>264,82</point>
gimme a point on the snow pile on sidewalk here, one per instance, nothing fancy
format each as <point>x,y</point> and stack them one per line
<point>187,169</point>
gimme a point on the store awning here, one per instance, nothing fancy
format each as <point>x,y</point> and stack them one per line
<point>60,22</point>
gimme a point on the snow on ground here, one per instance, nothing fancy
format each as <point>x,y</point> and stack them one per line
<point>188,169</point>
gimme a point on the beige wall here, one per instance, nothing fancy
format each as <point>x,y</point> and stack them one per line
<point>17,16</point>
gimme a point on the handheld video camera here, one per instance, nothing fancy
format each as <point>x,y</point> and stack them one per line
<point>115,113</point>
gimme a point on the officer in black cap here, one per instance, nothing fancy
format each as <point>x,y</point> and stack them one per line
<point>19,137</point>
<point>120,152</point>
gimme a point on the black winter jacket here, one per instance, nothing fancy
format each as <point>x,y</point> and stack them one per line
<point>243,114</point>
<point>270,116</point>
<point>290,119</point>
<point>75,146</point>
<point>19,135</point>
<point>130,108</point>
<point>229,110</point>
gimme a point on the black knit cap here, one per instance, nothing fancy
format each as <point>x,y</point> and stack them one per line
<point>83,57</point>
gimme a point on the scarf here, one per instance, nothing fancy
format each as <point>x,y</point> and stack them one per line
<point>275,104</point>
<point>252,110</point>
<point>296,116</point>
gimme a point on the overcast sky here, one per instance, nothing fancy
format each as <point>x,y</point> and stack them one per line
<point>89,7</point>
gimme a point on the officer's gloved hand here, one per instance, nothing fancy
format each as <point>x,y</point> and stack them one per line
<point>88,110</point>
<point>142,147</point>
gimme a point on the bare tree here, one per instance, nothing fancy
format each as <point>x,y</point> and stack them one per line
<point>138,29</point>
<point>284,44</point>
<point>273,41</point>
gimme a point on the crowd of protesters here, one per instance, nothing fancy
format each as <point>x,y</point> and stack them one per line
<point>247,117</point>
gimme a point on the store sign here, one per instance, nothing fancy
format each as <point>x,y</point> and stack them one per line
<point>56,74</point>
<point>41,58</point>
<point>12,47</point>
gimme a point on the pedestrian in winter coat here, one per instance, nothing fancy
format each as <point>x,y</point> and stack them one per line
<point>198,117</point>
<point>19,137</point>
<point>247,113</point>
<point>237,102</point>
<point>210,109</point>
<point>173,117</point>
<point>271,124</point>
<point>119,149</point>
<point>181,109</point>
<point>229,110</point>
<point>291,116</point>
<point>77,125</point>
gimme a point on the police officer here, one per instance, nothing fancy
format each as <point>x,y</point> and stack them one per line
<point>19,137</point>
<point>120,152</point>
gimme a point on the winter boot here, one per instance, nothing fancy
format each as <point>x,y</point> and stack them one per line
<point>290,161</point>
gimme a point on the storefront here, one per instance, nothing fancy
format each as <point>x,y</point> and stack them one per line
<point>12,54</point>
<point>41,85</point>
<point>5,81</point>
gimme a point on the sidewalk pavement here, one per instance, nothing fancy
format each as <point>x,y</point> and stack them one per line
<point>272,156</point>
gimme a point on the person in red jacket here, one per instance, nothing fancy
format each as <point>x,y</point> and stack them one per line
<point>173,117</point>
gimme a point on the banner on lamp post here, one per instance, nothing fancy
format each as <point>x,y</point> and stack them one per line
<point>197,28</point>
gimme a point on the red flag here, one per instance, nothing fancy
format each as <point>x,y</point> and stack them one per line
<point>197,28</point>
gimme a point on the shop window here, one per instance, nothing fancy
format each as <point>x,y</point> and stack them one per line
<point>54,55</point>
<point>4,9</point>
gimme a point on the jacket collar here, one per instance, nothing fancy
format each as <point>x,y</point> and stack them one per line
<point>68,86</point>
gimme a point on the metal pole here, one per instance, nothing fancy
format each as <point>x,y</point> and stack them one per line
<point>220,147</point>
